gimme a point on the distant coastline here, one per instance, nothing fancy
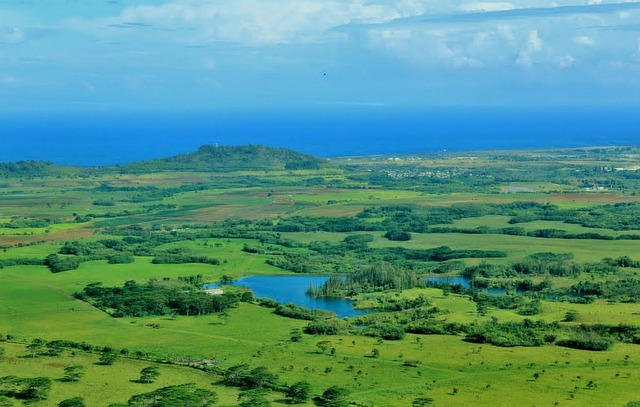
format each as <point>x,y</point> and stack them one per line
<point>108,139</point>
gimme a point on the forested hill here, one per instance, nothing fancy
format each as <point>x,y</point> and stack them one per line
<point>230,158</point>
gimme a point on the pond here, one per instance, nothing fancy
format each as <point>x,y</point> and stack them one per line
<point>292,289</point>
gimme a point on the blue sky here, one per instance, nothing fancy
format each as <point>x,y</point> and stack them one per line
<point>105,55</point>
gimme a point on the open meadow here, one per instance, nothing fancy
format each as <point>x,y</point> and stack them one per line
<point>111,261</point>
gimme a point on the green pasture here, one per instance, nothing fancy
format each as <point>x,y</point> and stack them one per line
<point>479,373</point>
<point>37,304</point>
<point>101,385</point>
<point>516,247</point>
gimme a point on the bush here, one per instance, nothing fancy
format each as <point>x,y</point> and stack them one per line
<point>397,235</point>
<point>121,259</point>
<point>595,344</point>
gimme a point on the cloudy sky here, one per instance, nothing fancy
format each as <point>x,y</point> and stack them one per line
<point>79,55</point>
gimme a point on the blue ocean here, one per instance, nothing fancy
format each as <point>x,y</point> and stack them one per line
<point>94,139</point>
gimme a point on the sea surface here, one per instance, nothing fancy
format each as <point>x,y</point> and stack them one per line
<point>93,139</point>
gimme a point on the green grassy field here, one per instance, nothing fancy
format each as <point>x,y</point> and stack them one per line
<point>36,303</point>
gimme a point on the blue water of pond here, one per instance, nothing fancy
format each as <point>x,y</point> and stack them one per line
<point>292,289</point>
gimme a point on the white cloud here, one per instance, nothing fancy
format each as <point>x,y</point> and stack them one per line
<point>584,40</point>
<point>11,35</point>
<point>6,79</point>
<point>249,21</point>
<point>532,45</point>
<point>486,6</point>
<point>566,61</point>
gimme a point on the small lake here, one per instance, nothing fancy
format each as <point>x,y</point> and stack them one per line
<point>292,289</point>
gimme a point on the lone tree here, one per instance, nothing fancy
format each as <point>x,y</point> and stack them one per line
<point>72,402</point>
<point>422,401</point>
<point>149,374</point>
<point>299,392</point>
<point>296,335</point>
<point>253,398</point>
<point>73,373</point>
<point>108,357</point>
<point>334,396</point>
<point>323,346</point>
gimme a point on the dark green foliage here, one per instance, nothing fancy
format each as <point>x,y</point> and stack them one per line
<point>73,373</point>
<point>184,395</point>
<point>300,312</point>
<point>507,334</point>
<point>253,398</point>
<point>27,389</point>
<point>154,298</point>
<point>243,376</point>
<point>334,396</point>
<point>72,402</point>
<point>326,327</point>
<point>299,392</point>
<point>230,158</point>
<point>391,332</point>
<point>592,343</point>
<point>376,278</point>
<point>23,261</point>
<point>422,401</point>
<point>24,222</point>
<point>103,202</point>
<point>179,258</point>
<point>108,357</point>
<point>295,336</point>
<point>558,265</point>
<point>27,168</point>
<point>149,374</point>
<point>398,235</point>
<point>571,316</point>
<point>59,264</point>
<point>121,259</point>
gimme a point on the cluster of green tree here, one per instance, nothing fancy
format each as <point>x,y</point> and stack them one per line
<point>508,334</point>
<point>21,261</point>
<point>173,257</point>
<point>29,390</point>
<point>18,222</point>
<point>40,347</point>
<point>393,303</point>
<point>327,327</point>
<point>354,251</point>
<point>590,342</point>
<point>257,381</point>
<point>544,264</point>
<point>398,222</point>
<point>230,158</point>
<point>622,290</point>
<point>387,331</point>
<point>521,303</point>
<point>122,251</point>
<point>299,312</point>
<point>179,395</point>
<point>379,277</point>
<point>153,298</point>
<point>27,168</point>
